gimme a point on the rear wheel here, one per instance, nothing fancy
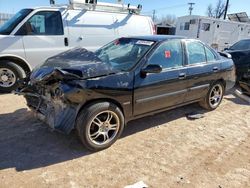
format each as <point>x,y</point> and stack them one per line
<point>99,125</point>
<point>10,73</point>
<point>214,96</point>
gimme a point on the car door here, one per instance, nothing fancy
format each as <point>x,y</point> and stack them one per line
<point>203,68</point>
<point>156,91</point>
<point>43,35</point>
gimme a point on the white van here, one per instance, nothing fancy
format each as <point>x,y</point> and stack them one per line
<point>35,34</point>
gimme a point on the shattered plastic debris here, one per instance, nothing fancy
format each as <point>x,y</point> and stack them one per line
<point>139,184</point>
<point>194,115</point>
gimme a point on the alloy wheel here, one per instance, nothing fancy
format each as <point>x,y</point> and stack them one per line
<point>104,127</point>
<point>215,95</point>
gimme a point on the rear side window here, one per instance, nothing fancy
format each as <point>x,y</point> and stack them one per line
<point>196,52</point>
<point>43,23</point>
<point>210,55</point>
<point>168,55</point>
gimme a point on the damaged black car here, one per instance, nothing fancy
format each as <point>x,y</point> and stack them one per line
<point>97,93</point>
<point>240,52</point>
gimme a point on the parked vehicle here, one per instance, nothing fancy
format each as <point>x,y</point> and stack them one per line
<point>240,53</point>
<point>98,93</point>
<point>35,34</point>
<point>217,33</point>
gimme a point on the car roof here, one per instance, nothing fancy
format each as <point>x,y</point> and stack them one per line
<point>244,40</point>
<point>158,38</point>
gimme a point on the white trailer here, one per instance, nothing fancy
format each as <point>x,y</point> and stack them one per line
<point>217,33</point>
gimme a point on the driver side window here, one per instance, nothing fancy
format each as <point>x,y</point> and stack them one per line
<point>168,55</point>
<point>43,23</point>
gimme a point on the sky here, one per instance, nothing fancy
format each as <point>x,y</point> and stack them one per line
<point>162,7</point>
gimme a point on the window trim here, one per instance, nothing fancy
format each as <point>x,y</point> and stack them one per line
<point>35,13</point>
<point>215,56</point>
<point>187,59</point>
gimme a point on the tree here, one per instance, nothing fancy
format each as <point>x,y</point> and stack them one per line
<point>218,11</point>
<point>168,19</point>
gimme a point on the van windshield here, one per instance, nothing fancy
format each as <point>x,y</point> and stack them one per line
<point>8,26</point>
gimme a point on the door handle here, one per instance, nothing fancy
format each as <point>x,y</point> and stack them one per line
<point>215,69</point>
<point>182,75</point>
<point>66,41</point>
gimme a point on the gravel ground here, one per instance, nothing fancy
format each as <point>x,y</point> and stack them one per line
<point>164,150</point>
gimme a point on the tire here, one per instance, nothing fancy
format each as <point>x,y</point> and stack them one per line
<point>212,101</point>
<point>10,73</point>
<point>93,132</point>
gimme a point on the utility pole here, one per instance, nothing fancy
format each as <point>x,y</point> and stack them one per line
<point>52,2</point>
<point>153,17</point>
<point>191,8</point>
<point>226,8</point>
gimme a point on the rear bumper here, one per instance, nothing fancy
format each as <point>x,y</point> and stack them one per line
<point>54,112</point>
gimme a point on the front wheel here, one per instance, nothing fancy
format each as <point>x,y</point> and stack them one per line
<point>10,73</point>
<point>214,96</point>
<point>99,125</point>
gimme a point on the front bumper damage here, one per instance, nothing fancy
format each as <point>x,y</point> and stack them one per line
<point>245,82</point>
<point>245,86</point>
<point>53,111</point>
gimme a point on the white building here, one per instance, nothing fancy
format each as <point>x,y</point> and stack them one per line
<point>217,33</point>
<point>4,17</point>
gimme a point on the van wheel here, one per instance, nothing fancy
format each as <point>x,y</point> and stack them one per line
<point>10,73</point>
<point>214,96</point>
<point>99,125</point>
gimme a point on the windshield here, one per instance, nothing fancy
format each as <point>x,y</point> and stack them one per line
<point>124,53</point>
<point>241,45</point>
<point>8,26</point>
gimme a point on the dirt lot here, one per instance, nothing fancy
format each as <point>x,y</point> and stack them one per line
<point>164,150</point>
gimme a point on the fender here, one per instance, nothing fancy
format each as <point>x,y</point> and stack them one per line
<point>18,60</point>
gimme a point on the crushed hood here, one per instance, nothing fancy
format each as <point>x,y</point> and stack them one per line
<point>77,63</point>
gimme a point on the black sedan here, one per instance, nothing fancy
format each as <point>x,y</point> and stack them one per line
<point>99,92</point>
<point>240,53</point>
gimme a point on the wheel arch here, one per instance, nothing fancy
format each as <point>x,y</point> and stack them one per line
<point>18,61</point>
<point>222,81</point>
<point>88,103</point>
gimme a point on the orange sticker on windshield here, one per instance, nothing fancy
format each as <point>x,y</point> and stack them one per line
<point>167,54</point>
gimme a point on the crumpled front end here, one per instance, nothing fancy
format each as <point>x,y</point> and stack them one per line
<point>245,82</point>
<point>50,105</point>
<point>55,90</point>
<point>52,101</point>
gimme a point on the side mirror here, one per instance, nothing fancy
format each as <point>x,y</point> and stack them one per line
<point>226,49</point>
<point>225,54</point>
<point>151,69</point>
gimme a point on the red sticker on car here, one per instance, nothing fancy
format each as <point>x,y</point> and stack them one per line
<point>167,54</point>
<point>117,42</point>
